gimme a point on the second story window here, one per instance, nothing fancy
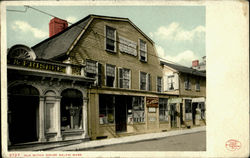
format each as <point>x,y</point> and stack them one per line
<point>110,44</point>
<point>170,82</point>
<point>197,85</point>
<point>187,83</point>
<point>91,68</point>
<point>110,75</point>
<point>145,81</point>
<point>159,84</point>
<point>143,50</point>
<point>124,78</point>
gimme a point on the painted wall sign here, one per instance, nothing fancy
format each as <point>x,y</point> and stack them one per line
<point>151,109</point>
<point>37,65</point>
<point>127,46</point>
<point>152,101</point>
<point>175,100</point>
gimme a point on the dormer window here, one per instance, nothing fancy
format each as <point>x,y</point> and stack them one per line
<point>143,50</point>
<point>110,43</point>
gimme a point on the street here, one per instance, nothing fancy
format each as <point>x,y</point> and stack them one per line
<point>185,142</point>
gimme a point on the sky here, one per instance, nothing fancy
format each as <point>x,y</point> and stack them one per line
<point>178,31</point>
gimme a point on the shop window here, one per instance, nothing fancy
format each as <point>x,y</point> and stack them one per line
<point>91,68</point>
<point>110,75</point>
<point>159,84</point>
<point>202,107</point>
<point>138,109</point>
<point>188,109</point>
<point>145,81</point>
<point>163,109</point>
<point>106,109</point>
<point>143,50</point>
<point>110,39</point>
<point>124,78</point>
<point>197,85</point>
<point>187,83</point>
<point>71,110</point>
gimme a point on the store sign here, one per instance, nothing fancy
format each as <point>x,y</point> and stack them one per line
<point>37,65</point>
<point>127,46</point>
<point>152,101</point>
<point>175,100</point>
<point>152,109</point>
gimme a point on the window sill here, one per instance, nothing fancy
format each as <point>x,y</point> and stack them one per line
<point>144,61</point>
<point>197,90</point>
<point>104,125</point>
<point>163,122</point>
<point>110,51</point>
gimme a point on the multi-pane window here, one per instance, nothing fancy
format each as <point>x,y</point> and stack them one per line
<point>91,68</point>
<point>124,78</point>
<point>106,109</point>
<point>110,39</point>
<point>138,109</point>
<point>188,109</point>
<point>170,82</point>
<point>145,81</point>
<point>163,109</point>
<point>143,50</point>
<point>159,84</point>
<point>197,85</point>
<point>110,75</point>
<point>187,83</point>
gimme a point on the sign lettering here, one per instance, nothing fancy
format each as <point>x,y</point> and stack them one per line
<point>152,101</point>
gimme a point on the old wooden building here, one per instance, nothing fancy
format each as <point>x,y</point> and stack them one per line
<point>98,78</point>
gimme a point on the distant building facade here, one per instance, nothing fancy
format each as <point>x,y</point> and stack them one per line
<point>98,78</point>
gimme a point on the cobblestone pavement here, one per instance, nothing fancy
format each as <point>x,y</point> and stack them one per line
<point>185,142</point>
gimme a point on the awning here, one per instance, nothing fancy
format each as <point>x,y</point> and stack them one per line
<point>196,100</point>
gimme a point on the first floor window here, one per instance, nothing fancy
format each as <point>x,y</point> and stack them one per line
<point>106,109</point>
<point>110,39</point>
<point>163,109</point>
<point>124,78</point>
<point>91,68</point>
<point>110,75</point>
<point>188,109</point>
<point>138,109</point>
<point>159,84</point>
<point>71,110</point>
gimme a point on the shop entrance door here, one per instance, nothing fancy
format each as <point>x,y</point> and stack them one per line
<point>194,106</point>
<point>23,115</point>
<point>173,115</point>
<point>181,113</point>
<point>121,113</point>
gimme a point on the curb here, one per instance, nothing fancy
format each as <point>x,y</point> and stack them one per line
<point>129,139</point>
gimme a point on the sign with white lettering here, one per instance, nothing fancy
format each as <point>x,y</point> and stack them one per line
<point>127,46</point>
<point>151,109</point>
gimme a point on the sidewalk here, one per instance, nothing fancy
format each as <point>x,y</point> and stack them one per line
<point>127,139</point>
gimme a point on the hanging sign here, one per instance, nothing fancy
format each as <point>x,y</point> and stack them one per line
<point>127,46</point>
<point>152,101</point>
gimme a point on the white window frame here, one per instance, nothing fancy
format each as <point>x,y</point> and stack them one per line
<point>120,68</point>
<point>105,37</point>
<point>105,72</point>
<point>139,50</point>
<point>147,83</point>
<point>89,60</point>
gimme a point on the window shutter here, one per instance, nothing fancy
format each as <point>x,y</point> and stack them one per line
<point>166,83</point>
<point>146,50</point>
<point>120,78</point>
<point>176,81</point>
<point>149,82</point>
<point>99,74</point>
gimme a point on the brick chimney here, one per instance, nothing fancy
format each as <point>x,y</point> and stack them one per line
<point>195,63</point>
<point>57,25</point>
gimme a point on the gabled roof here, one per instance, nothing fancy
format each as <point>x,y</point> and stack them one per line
<point>184,69</point>
<point>61,43</point>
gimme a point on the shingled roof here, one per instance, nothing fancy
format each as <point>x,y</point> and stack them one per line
<point>59,44</point>
<point>184,69</point>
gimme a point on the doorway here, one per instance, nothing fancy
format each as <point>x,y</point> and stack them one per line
<point>173,115</point>
<point>23,103</point>
<point>121,104</point>
<point>181,114</point>
<point>194,106</point>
